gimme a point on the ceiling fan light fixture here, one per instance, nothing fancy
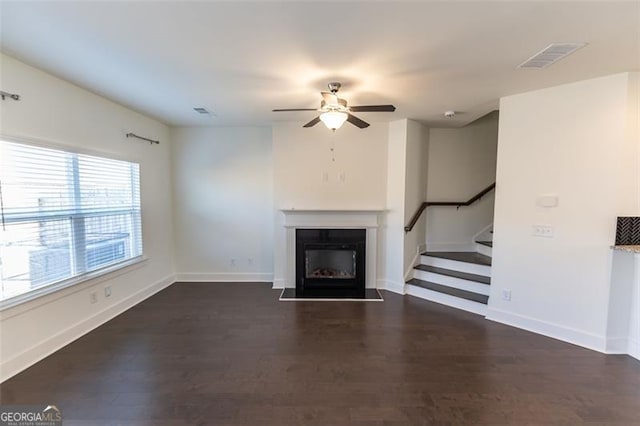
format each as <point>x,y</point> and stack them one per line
<point>333,119</point>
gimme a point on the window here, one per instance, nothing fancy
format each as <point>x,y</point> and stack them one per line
<point>63,215</point>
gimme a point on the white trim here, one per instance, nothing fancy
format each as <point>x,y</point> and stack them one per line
<point>408,274</point>
<point>30,356</point>
<point>447,300</point>
<point>278,284</point>
<point>555,331</point>
<point>453,282</point>
<point>617,345</point>
<point>316,299</point>
<point>634,348</point>
<point>311,299</point>
<point>485,229</point>
<point>456,265</point>
<point>49,293</point>
<point>482,249</point>
<point>331,218</point>
<point>398,288</point>
<point>224,277</point>
<point>451,246</point>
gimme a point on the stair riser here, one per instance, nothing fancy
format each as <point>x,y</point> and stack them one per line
<point>452,282</point>
<point>445,299</point>
<point>455,265</point>
<point>482,249</point>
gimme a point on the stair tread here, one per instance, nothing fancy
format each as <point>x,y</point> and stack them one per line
<point>456,274</point>
<point>486,243</point>
<point>461,256</point>
<point>451,291</point>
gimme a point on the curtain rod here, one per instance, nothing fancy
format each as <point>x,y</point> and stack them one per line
<point>151,141</point>
<point>13,96</point>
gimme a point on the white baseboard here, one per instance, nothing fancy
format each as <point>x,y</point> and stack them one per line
<point>278,284</point>
<point>451,246</point>
<point>224,277</point>
<point>391,286</point>
<point>408,274</point>
<point>617,345</point>
<point>25,359</point>
<point>634,348</point>
<point>623,346</point>
<point>484,230</point>
<point>555,331</point>
<point>482,249</point>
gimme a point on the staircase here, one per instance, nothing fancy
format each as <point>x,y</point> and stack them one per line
<point>457,279</point>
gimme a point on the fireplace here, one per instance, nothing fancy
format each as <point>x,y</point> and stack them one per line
<point>330,263</point>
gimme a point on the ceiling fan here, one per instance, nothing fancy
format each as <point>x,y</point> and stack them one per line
<point>334,110</point>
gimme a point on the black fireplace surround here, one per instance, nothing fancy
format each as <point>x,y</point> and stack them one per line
<point>330,263</point>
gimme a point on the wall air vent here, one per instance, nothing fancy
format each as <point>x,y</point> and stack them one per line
<point>550,54</point>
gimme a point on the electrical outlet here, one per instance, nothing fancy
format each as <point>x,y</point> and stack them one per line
<point>343,177</point>
<point>325,176</point>
<point>107,291</point>
<point>545,231</point>
<point>233,261</point>
<point>506,295</point>
<point>250,261</point>
<point>93,297</point>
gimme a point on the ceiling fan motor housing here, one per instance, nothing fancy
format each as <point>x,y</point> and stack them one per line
<point>340,106</point>
<point>334,86</point>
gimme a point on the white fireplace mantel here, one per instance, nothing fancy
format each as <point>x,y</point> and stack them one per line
<point>345,219</point>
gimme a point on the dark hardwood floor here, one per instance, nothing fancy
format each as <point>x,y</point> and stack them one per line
<point>232,354</point>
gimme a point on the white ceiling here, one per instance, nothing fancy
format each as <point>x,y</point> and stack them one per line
<point>242,59</point>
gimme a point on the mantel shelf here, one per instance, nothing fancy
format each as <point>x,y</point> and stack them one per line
<point>295,210</point>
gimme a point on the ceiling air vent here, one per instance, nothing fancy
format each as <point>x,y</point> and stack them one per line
<point>550,54</point>
<point>201,110</point>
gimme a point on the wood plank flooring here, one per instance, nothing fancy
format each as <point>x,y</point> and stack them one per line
<point>231,354</point>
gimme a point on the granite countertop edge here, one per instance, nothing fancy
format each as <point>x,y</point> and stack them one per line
<point>630,249</point>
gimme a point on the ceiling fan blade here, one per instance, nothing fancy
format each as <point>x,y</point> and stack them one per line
<point>294,109</point>
<point>373,108</point>
<point>330,98</point>
<point>312,122</point>
<point>357,122</point>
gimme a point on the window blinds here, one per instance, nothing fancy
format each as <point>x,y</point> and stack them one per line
<point>63,215</point>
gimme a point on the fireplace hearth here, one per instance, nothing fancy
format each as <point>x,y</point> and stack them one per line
<point>330,263</point>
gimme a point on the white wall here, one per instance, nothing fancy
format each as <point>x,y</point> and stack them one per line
<point>302,156</point>
<point>407,156</point>
<point>633,339</point>
<point>223,203</point>
<point>392,235</point>
<point>462,162</point>
<point>416,178</point>
<point>572,141</point>
<point>55,111</point>
<point>623,320</point>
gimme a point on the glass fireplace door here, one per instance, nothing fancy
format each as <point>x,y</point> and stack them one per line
<point>330,263</point>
